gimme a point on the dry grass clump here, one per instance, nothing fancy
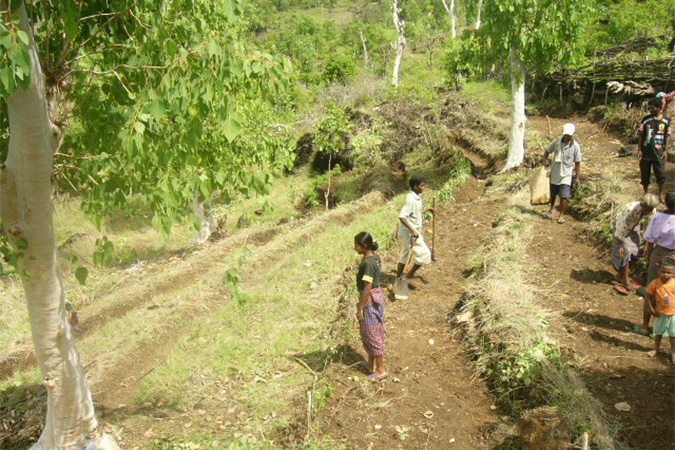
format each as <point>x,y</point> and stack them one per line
<point>505,330</point>
<point>596,202</point>
<point>619,118</point>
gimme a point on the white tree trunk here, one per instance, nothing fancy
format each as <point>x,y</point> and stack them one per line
<point>451,12</point>
<point>517,139</point>
<point>26,212</point>
<point>400,42</point>
<point>365,47</point>
<point>480,8</point>
<point>206,223</point>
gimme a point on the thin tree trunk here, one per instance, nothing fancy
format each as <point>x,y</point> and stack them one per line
<point>26,212</point>
<point>517,138</point>
<point>480,9</point>
<point>206,223</point>
<point>365,47</point>
<point>451,12</point>
<point>400,42</point>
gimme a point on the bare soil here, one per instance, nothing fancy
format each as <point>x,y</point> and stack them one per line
<point>594,323</point>
<point>432,399</point>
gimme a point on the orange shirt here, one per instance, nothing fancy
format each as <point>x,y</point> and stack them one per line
<point>665,296</point>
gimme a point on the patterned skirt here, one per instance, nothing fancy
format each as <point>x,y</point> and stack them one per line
<point>632,250</point>
<point>372,325</point>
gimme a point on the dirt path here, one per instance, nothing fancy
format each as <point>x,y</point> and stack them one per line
<point>594,323</point>
<point>432,399</point>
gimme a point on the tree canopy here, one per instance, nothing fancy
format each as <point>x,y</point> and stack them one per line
<point>158,100</point>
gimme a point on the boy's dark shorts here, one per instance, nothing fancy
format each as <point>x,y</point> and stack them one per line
<point>646,171</point>
<point>562,190</point>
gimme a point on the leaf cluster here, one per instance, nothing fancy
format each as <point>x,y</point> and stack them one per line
<point>159,101</point>
<point>539,33</point>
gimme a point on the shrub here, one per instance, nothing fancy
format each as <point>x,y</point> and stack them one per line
<point>338,68</point>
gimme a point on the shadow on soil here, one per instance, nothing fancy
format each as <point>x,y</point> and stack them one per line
<point>640,389</point>
<point>320,360</point>
<point>600,320</point>
<point>588,276</point>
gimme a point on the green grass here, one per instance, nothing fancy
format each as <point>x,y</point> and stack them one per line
<point>491,95</point>
<point>245,351</point>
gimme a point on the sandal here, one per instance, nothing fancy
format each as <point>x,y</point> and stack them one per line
<point>638,329</point>
<point>561,220</point>
<point>621,289</point>
<point>374,377</point>
<point>635,284</point>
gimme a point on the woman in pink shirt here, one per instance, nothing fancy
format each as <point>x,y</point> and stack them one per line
<point>660,237</point>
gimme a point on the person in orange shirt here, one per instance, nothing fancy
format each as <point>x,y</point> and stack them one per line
<point>662,303</point>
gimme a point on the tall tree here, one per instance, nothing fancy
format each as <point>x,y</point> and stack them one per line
<point>26,212</point>
<point>399,45</point>
<point>451,12</point>
<point>480,9</point>
<point>520,36</point>
<point>178,93</point>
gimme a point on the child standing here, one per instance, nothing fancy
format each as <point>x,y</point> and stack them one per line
<point>662,303</point>
<point>653,145</point>
<point>370,309</point>
<point>411,231</point>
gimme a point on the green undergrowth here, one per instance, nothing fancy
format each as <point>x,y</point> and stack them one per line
<point>242,361</point>
<point>491,95</point>
<point>505,328</point>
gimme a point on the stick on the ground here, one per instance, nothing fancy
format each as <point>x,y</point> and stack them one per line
<point>304,364</point>
<point>433,235</point>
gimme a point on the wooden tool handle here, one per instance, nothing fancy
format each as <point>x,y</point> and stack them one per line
<point>410,255</point>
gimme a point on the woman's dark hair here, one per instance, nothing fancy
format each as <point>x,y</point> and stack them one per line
<point>656,101</point>
<point>416,180</point>
<point>670,201</point>
<point>667,262</point>
<point>364,239</point>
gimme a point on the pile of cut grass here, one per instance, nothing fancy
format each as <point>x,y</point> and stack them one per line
<point>504,328</point>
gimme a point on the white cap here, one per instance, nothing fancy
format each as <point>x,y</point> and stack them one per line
<point>569,129</point>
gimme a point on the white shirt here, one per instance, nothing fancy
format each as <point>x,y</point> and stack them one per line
<point>564,158</point>
<point>412,210</point>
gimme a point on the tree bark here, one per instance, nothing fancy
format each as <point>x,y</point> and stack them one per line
<point>26,212</point>
<point>480,9</point>
<point>206,223</point>
<point>451,12</point>
<point>365,47</point>
<point>400,42</point>
<point>517,138</point>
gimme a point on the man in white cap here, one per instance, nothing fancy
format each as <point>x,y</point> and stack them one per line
<point>566,157</point>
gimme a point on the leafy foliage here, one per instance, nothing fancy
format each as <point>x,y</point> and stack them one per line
<point>14,60</point>
<point>338,68</point>
<point>618,21</point>
<point>332,130</point>
<point>159,104</point>
<point>537,32</point>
